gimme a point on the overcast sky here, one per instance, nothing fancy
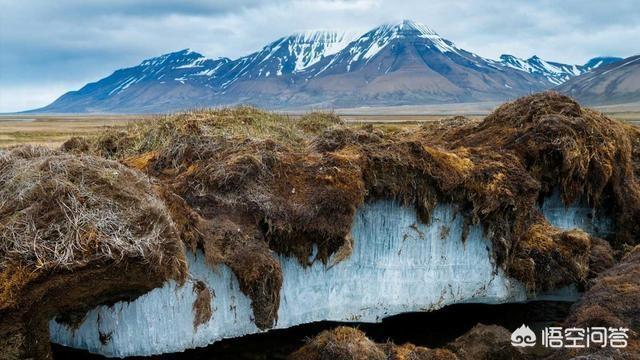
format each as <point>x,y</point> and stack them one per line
<point>48,47</point>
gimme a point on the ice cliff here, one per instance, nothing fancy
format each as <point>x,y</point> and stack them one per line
<point>398,265</point>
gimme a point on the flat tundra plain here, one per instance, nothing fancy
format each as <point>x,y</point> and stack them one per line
<point>53,130</point>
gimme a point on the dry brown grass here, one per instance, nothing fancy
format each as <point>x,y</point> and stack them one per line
<point>346,343</point>
<point>60,211</point>
<point>342,343</point>
<point>202,305</point>
<point>75,231</point>
<point>611,301</point>
<point>487,342</point>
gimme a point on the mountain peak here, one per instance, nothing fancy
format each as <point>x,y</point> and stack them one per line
<point>419,27</point>
<point>176,57</point>
<point>369,44</point>
<point>407,28</point>
<point>319,35</point>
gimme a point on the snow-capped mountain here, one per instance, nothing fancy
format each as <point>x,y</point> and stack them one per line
<point>409,63</point>
<point>164,79</point>
<point>556,73</point>
<point>399,63</point>
<point>367,46</point>
<point>179,66</point>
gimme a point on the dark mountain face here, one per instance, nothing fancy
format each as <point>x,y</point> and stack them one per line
<point>615,83</point>
<point>600,61</point>
<point>402,63</point>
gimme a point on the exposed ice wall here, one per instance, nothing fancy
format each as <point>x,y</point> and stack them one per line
<point>579,215</point>
<point>398,265</point>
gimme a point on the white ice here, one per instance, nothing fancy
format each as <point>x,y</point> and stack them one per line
<point>397,265</point>
<point>578,216</point>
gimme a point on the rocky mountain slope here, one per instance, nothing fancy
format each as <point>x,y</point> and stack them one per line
<point>393,64</point>
<point>615,83</point>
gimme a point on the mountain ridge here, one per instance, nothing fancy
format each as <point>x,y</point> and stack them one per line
<point>557,73</point>
<point>399,63</point>
<point>611,84</point>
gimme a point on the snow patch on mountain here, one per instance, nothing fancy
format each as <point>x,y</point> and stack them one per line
<point>554,72</point>
<point>310,47</point>
<point>210,71</point>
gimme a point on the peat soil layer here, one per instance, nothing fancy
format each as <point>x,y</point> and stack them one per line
<point>430,329</point>
<point>111,217</point>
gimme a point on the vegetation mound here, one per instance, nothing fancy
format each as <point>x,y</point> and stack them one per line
<point>75,231</point>
<point>611,301</point>
<point>345,343</point>
<point>486,342</point>
<point>242,183</point>
<point>581,152</point>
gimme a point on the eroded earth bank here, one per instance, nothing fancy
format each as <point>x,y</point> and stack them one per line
<point>192,228</point>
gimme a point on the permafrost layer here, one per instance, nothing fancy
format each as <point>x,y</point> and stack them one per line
<point>398,265</point>
<point>578,216</point>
